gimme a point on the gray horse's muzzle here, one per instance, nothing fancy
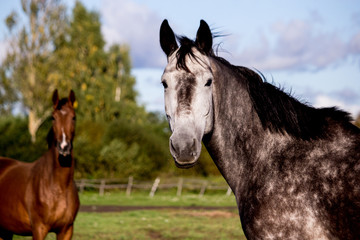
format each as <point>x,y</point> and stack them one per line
<point>185,149</point>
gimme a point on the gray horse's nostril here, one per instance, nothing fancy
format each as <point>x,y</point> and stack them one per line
<point>172,147</point>
<point>193,147</point>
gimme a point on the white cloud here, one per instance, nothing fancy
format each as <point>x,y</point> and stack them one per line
<point>128,22</point>
<point>327,101</point>
<point>313,49</point>
<point>355,44</point>
<point>347,95</point>
<point>298,45</point>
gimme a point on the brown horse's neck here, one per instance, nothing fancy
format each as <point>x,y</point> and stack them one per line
<point>55,169</point>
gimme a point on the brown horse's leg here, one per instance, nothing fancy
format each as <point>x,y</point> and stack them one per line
<point>66,233</point>
<point>39,232</point>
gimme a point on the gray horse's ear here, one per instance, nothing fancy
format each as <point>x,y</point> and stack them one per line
<point>167,39</point>
<point>204,38</point>
<point>55,98</point>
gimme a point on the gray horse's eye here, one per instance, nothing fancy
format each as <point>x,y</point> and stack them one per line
<point>208,83</point>
<point>164,84</point>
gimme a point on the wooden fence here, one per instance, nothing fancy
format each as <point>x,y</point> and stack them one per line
<point>152,186</point>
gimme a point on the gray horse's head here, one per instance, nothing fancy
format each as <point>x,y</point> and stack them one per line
<point>188,83</point>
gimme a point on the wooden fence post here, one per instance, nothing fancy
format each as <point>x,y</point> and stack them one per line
<point>82,185</point>
<point>179,187</point>
<point>102,187</point>
<point>203,188</point>
<point>180,183</point>
<point>154,187</point>
<point>228,192</point>
<point>129,186</point>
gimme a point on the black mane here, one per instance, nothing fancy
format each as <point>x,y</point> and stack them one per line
<point>278,111</point>
<point>185,49</point>
<point>61,103</point>
<point>50,138</point>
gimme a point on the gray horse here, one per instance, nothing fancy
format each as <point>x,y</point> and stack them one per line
<point>294,169</point>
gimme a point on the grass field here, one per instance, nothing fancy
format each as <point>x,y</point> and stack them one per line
<point>157,224</point>
<point>164,198</point>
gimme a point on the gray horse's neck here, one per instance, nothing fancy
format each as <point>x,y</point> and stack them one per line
<point>236,132</point>
<point>275,174</point>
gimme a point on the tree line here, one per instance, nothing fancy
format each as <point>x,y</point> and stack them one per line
<point>54,49</point>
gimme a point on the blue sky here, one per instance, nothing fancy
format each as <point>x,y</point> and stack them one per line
<point>311,48</point>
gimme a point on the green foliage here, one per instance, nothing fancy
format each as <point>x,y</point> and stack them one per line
<point>129,145</point>
<point>115,137</point>
<point>26,66</point>
<point>147,152</point>
<point>87,146</point>
<point>11,20</point>
<point>7,94</point>
<point>15,141</point>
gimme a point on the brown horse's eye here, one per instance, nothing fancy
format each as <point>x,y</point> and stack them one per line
<point>52,118</point>
<point>74,118</point>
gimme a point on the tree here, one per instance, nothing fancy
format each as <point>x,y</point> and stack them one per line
<point>100,78</point>
<point>26,65</point>
<point>7,94</point>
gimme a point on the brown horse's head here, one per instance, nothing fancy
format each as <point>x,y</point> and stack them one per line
<point>63,118</point>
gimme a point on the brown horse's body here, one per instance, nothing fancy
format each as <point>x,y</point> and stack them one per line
<point>38,197</point>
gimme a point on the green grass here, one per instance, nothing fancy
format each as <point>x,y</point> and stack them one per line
<point>160,199</point>
<point>164,224</point>
<point>169,224</point>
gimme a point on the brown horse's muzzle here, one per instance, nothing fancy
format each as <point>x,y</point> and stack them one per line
<point>64,149</point>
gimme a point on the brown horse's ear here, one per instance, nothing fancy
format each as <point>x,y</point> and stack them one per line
<point>72,97</point>
<point>204,38</point>
<point>55,98</point>
<point>167,39</point>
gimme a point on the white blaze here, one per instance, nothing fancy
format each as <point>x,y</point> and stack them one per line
<point>63,142</point>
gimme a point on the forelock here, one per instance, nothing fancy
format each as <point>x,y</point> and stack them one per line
<point>61,103</point>
<point>186,49</point>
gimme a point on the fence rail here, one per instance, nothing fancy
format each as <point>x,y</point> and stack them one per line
<point>130,183</point>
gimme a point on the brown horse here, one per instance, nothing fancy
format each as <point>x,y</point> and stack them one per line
<point>41,197</point>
